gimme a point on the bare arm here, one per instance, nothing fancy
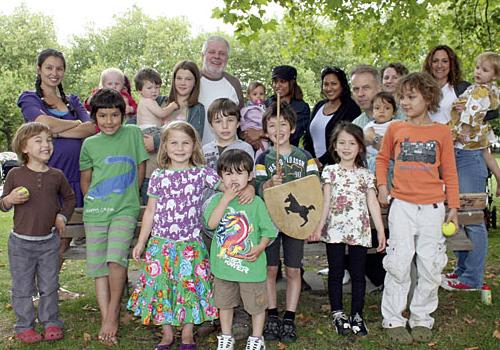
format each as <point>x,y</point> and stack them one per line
<point>218,213</point>
<point>85,179</point>
<point>57,125</point>
<point>493,166</point>
<point>146,227</point>
<point>157,111</point>
<point>255,252</point>
<point>79,132</point>
<point>376,215</point>
<point>316,234</point>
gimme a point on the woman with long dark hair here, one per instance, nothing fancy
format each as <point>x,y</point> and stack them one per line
<point>337,106</point>
<point>65,115</point>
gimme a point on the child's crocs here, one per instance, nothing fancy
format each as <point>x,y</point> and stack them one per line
<point>53,333</point>
<point>29,336</point>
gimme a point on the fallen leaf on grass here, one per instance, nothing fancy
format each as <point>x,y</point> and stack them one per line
<point>325,307</point>
<point>8,306</point>
<point>87,338</point>
<point>432,344</point>
<point>472,348</point>
<point>303,318</point>
<point>373,307</point>
<point>490,276</point>
<point>281,346</point>
<point>319,331</point>
<point>87,307</point>
<point>496,334</point>
<point>126,318</point>
<point>469,320</point>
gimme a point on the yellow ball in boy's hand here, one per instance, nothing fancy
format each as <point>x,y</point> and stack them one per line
<point>24,190</point>
<point>449,229</point>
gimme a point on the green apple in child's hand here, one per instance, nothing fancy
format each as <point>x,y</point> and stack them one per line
<point>449,229</point>
<point>24,190</point>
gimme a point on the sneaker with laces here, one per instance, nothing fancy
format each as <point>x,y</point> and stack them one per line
<point>225,342</point>
<point>272,329</point>
<point>456,285</point>
<point>358,325</point>
<point>341,322</point>
<point>288,331</point>
<point>255,343</point>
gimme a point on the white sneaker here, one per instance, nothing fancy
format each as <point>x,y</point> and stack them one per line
<point>255,343</point>
<point>323,272</point>
<point>225,342</point>
<point>347,277</point>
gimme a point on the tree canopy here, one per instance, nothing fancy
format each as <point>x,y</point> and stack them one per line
<point>312,34</point>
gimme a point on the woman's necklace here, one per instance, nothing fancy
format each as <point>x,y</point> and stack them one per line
<point>331,107</point>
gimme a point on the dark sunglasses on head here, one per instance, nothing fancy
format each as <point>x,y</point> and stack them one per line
<point>328,70</point>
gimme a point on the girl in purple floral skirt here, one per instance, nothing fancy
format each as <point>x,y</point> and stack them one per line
<point>175,287</point>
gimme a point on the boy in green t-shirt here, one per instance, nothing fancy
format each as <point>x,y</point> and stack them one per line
<point>243,232</point>
<point>112,169</point>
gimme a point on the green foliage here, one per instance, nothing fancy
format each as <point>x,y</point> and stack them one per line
<point>22,36</point>
<point>375,31</point>
<point>135,41</point>
<point>311,35</point>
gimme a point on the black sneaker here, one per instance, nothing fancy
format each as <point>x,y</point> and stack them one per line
<point>272,329</point>
<point>358,325</point>
<point>288,331</point>
<point>341,322</point>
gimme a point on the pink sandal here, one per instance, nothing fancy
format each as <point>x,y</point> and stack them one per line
<point>29,336</point>
<point>53,333</point>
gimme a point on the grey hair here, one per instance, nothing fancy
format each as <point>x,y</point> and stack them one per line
<point>365,68</point>
<point>215,38</point>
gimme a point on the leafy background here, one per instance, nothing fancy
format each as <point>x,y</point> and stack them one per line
<point>311,34</point>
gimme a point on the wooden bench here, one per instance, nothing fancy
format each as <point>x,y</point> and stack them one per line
<point>471,212</point>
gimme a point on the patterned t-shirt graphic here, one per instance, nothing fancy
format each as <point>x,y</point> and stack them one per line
<point>424,152</point>
<point>240,229</point>
<point>232,234</point>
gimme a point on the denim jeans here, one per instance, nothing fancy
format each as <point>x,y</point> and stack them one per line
<point>472,175</point>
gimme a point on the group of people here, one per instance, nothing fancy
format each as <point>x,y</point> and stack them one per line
<point>200,160</point>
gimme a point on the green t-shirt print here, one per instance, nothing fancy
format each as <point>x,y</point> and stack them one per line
<point>241,228</point>
<point>113,159</point>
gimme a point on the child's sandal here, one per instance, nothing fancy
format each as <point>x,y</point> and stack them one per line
<point>29,336</point>
<point>187,347</point>
<point>53,333</point>
<point>164,346</point>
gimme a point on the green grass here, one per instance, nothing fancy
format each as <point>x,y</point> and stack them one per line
<point>462,321</point>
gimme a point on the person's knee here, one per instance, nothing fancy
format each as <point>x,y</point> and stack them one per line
<point>292,273</point>
<point>272,271</point>
<point>115,265</point>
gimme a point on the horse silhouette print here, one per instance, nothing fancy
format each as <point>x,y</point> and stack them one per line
<point>296,207</point>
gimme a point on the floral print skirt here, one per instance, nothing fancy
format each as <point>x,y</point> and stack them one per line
<point>175,286</point>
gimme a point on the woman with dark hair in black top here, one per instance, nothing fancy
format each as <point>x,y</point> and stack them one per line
<point>337,105</point>
<point>285,84</point>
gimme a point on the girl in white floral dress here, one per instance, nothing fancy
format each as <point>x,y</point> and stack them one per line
<point>348,192</point>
